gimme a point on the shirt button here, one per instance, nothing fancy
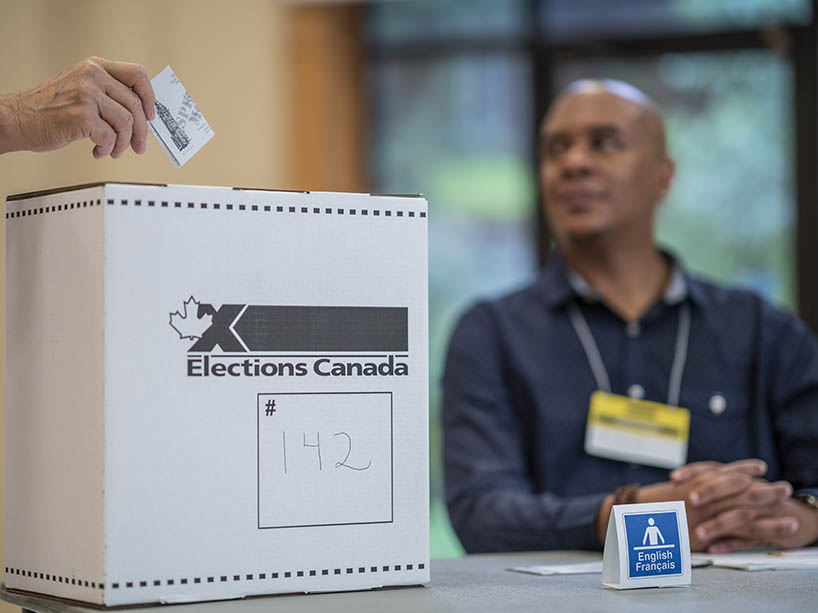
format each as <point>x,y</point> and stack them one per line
<point>718,404</point>
<point>633,329</point>
<point>636,391</point>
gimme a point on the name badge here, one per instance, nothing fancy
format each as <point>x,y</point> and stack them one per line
<point>647,545</point>
<point>641,431</point>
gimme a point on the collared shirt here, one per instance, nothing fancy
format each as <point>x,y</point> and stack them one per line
<point>517,386</point>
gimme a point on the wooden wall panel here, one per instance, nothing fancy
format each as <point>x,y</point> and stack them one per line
<point>328,99</point>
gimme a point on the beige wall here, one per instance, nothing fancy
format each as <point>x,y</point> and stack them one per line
<point>231,56</point>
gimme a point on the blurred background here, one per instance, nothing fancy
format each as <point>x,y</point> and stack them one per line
<point>443,97</point>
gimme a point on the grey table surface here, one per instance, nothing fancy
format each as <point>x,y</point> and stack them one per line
<point>482,583</point>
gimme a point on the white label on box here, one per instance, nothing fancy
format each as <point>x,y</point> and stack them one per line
<point>324,459</point>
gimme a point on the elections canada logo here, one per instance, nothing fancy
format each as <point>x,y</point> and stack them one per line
<point>251,340</point>
<point>653,544</point>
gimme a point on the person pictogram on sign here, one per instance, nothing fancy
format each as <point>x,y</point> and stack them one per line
<point>652,533</point>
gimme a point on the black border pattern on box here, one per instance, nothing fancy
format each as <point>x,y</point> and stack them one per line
<point>218,206</point>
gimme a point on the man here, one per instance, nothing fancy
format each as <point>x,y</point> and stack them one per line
<point>108,102</point>
<point>612,314</point>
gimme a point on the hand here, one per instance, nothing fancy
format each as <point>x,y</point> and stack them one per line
<point>108,102</point>
<point>731,495</point>
<point>710,490</point>
<point>790,524</point>
<point>725,517</point>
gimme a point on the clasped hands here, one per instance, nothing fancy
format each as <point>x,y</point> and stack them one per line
<point>732,507</point>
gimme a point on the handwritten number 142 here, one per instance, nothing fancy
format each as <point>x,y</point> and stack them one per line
<point>317,446</point>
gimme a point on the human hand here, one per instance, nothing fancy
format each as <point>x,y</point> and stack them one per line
<point>786,524</point>
<point>725,501</point>
<point>106,101</point>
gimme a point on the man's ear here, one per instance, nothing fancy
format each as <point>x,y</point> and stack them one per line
<point>666,172</point>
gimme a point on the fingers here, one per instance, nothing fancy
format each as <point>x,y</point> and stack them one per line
<point>732,523</point>
<point>135,77</point>
<point>126,98</point>
<point>694,469</point>
<point>103,137</point>
<point>758,494</point>
<point>121,122</point>
<point>124,101</point>
<point>742,528</point>
<point>774,530</point>
<point>730,545</point>
<point>752,466</point>
<point>718,487</point>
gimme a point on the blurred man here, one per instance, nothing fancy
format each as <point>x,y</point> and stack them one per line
<point>613,318</point>
<point>108,102</point>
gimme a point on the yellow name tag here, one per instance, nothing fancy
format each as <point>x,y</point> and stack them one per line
<point>641,431</point>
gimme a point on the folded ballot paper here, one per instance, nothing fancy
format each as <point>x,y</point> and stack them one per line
<point>179,125</point>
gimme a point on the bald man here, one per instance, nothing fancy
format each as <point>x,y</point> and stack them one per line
<point>613,321</point>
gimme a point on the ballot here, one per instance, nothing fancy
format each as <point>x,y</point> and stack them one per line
<point>179,125</point>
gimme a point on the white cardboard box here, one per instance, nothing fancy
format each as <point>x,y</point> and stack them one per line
<point>215,392</point>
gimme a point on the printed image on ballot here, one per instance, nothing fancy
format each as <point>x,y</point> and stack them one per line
<point>177,134</point>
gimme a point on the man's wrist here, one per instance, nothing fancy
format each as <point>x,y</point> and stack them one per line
<point>627,494</point>
<point>602,517</point>
<point>808,520</point>
<point>811,500</point>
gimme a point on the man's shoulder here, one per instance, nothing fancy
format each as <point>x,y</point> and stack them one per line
<point>719,294</point>
<point>488,327</point>
<point>738,304</point>
<point>518,301</point>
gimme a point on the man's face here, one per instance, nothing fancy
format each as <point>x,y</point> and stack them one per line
<point>603,167</point>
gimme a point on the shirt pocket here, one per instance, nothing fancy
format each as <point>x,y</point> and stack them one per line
<point>719,421</point>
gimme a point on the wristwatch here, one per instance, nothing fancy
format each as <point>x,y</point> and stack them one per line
<point>811,500</point>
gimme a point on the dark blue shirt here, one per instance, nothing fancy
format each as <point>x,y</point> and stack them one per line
<point>517,385</point>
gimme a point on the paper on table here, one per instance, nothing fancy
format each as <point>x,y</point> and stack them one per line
<point>581,568</point>
<point>765,560</point>
<point>807,552</point>
<point>179,125</point>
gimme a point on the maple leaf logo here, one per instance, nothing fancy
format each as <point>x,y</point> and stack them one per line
<point>190,325</point>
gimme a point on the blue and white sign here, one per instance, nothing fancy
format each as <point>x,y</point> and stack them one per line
<point>653,544</point>
<point>647,545</point>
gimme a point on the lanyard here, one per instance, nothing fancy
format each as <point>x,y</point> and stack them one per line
<point>598,367</point>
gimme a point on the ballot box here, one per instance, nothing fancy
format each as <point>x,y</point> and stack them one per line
<point>215,393</point>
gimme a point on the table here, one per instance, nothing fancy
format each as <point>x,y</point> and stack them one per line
<point>482,583</point>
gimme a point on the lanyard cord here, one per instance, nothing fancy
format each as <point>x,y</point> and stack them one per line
<point>591,349</point>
